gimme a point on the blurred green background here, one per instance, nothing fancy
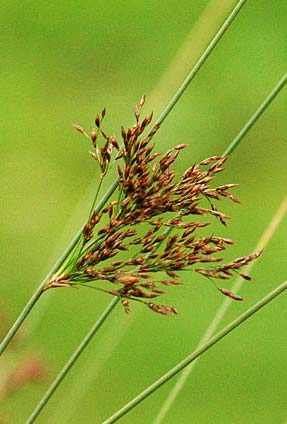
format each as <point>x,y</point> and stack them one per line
<point>62,62</point>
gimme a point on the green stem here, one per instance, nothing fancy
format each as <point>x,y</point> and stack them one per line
<point>201,60</point>
<point>96,196</point>
<point>236,141</point>
<point>72,360</point>
<point>256,115</point>
<point>21,318</point>
<point>37,295</point>
<point>196,354</point>
<point>221,311</point>
<point>172,395</point>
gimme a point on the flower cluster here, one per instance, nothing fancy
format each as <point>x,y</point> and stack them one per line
<point>143,240</point>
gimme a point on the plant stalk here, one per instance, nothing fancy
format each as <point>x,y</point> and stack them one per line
<point>72,360</point>
<point>221,311</point>
<point>256,115</point>
<point>29,306</point>
<point>201,60</point>
<point>262,243</point>
<point>197,353</point>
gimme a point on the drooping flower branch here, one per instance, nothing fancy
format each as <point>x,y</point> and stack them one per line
<point>128,244</point>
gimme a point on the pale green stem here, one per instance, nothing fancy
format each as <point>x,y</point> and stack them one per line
<point>264,240</point>
<point>256,115</point>
<point>21,318</point>
<point>85,375</point>
<point>72,360</point>
<point>196,354</point>
<point>201,60</point>
<point>96,196</point>
<point>192,47</point>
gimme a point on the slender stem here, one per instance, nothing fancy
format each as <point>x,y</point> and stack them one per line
<point>197,39</point>
<point>96,196</point>
<point>201,60</point>
<point>37,294</point>
<point>264,239</point>
<point>21,318</point>
<point>114,185</point>
<point>197,353</point>
<point>72,360</point>
<point>256,115</point>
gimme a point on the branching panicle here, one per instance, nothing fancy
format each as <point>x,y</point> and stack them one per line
<point>152,201</point>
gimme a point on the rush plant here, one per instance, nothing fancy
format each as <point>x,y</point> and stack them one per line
<point>152,227</point>
<point>101,204</point>
<point>165,310</point>
<point>127,245</point>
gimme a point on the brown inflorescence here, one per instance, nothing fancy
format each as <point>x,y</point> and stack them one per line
<point>136,228</point>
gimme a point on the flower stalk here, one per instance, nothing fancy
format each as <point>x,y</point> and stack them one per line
<point>220,313</point>
<point>197,353</point>
<point>256,115</point>
<point>58,264</point>
<point>72,360</point>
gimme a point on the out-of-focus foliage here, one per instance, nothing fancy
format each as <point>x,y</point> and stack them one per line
<point>62,63</point>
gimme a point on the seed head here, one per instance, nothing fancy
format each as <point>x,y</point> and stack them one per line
<point>129,243</point>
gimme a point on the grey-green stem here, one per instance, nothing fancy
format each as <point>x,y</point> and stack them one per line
<point>25,312</point>
<point>221,312</point>
<point>196,354</point>
<point>72,360</point>
<point>256,115</point>
<point>201,60</point>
